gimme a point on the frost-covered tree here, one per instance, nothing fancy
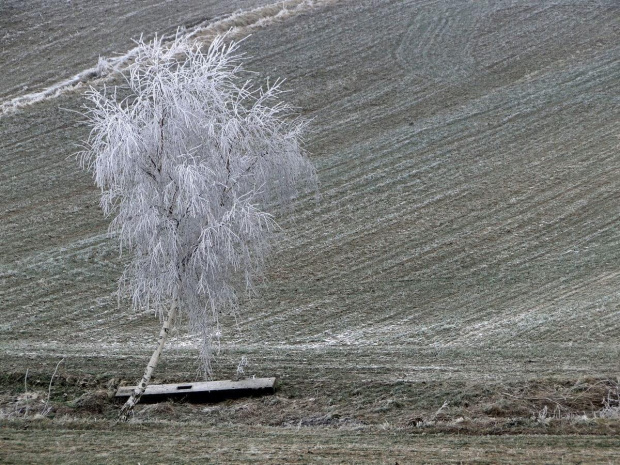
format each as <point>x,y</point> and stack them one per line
<point>187,162</point>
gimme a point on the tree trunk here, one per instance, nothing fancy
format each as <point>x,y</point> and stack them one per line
<point>150,368</point>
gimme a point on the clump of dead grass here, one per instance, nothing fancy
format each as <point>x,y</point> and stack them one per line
<point>95,402</point>
<point>540,405</point>
<point>29,404</point>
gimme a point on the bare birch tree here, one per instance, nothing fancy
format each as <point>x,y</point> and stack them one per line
<point>188,162</point>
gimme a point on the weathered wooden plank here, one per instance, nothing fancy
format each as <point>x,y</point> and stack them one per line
<point>203,391</point>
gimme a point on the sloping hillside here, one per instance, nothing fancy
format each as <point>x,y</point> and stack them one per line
<point>467,233</point>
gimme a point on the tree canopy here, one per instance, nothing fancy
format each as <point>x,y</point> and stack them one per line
<point>189,162</point>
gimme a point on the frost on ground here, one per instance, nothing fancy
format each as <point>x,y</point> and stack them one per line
<point>466,237</point>
<point>237,25</point>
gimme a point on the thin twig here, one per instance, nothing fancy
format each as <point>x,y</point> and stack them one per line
<point>445,404</point>
<point>26,393</point>
<point>49,389</point>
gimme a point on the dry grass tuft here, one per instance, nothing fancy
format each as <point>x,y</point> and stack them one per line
<point>92,402</point>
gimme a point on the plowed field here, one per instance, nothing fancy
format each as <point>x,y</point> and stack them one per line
<point>464,250</point>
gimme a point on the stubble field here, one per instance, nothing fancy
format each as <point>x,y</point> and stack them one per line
<point>463,252</point>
